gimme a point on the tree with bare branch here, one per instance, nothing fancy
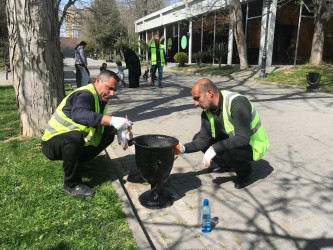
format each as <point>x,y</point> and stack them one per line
<point>36,60</point>
<point>323,11</point>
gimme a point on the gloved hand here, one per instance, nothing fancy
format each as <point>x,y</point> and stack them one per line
<point>208,157</point>
<point>180,149</point>
<point>120,123</point>
<point>122,139</point>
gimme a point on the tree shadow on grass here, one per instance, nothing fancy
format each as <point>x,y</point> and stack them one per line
<point>97,171</point>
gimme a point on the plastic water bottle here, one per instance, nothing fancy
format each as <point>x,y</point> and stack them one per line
<point>205,217</point>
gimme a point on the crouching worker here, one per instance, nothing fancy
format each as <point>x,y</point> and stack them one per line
<point>79,130</point>
<point>231,132</point>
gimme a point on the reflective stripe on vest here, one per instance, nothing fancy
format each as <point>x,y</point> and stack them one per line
<point>153,54</point>
<point>258,140</point>
<point>60,123</point>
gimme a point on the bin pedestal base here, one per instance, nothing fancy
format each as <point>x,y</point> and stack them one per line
<point>164,200</point>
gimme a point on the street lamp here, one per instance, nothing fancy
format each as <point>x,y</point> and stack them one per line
<point>264,53</point>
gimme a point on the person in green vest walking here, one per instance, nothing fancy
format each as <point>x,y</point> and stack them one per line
<point>231,132</point>
<point>156,58</point>
<point>79,130</point>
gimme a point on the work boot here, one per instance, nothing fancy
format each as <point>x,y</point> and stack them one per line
<point>79,190</point>
<point>241,182</point>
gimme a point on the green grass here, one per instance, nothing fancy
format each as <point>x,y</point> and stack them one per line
<point>297,75</point>
<point>209,69</point>
<point>2,64</point>
<point>36,214</point>
<point>9,117</point>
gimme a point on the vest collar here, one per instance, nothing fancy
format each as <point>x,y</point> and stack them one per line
<point>220,104</point>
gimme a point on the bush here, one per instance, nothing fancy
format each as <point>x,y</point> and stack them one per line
<point>197,56</point>
<point>181,58</point>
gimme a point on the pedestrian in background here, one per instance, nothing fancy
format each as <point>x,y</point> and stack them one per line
<point>104,66</point>
<point>81,65</point>
<point>121,73</point>
<point>134,67</point>
<point>156,58</point>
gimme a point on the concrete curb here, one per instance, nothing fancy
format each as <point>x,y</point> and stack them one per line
<point>139,232</point>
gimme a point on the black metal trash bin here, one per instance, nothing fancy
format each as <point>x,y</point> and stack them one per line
<point>154,156</point>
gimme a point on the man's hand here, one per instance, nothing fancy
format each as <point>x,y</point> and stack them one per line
<point>208,157</point>
<point>180,149</point>
<point>120,123</point>
<point>149,61</point>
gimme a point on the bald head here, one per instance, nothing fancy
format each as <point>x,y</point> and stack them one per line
<point>203,85</point>
<point>205,94</point>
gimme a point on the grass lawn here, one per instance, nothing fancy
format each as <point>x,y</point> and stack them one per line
<point>36,214</point>
<point>297,75</point>
<point>209,69</point>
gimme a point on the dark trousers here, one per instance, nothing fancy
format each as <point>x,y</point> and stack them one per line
<point>70,148</point>
<point>78,75</point>
<point>154,68</point>
<point>238,158</point>
<point>133,78</point>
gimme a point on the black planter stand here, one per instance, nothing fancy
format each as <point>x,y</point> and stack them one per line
<point>154,157</point>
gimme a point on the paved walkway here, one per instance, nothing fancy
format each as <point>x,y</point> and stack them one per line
<point>287,206</point>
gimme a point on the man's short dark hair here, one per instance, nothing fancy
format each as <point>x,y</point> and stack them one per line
<point>107,74</point>
<point>82,43</point>
<point>208,85</point>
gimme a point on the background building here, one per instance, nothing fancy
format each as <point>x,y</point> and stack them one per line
<point>196,25</point>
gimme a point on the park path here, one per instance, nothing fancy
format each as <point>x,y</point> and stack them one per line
<point>287,206</point>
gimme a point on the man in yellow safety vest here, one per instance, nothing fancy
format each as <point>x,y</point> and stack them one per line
<point>156,57</point>
<point>231,131</point>
<point>79,130</point>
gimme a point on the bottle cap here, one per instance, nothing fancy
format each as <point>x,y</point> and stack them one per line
<point>206,202</point>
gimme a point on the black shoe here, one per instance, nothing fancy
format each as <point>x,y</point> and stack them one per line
<point>160,86</point>
<point>79,190</point>
<point>242,182</point>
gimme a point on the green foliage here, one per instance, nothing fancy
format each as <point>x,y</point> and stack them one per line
<point>36,214</point>
<point>181,58</point>
<point>4,48</point>
<point>297,75</point>
<point>104,25</point>
<point>197,56</point>
<point>89,47</point>
<point>220,52</point>
<point>9,116</point>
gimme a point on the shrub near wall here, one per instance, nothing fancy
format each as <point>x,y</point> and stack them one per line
<point>181,58</point>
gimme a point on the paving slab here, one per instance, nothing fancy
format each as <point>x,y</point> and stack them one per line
<point>289,202</point>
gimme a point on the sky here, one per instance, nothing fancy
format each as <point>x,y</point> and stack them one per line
<point>80,3</point>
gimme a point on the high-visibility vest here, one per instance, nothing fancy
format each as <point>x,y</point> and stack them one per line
<point>60,123</point>
<point>153,54</point>
<point>258,141</point>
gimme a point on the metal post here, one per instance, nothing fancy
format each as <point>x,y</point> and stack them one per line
<point>178,36</point>
<point>298,28</point>
<point>214,37</point>
<point>201,32</point>
<point>190,42</point>
<point>264,53</point>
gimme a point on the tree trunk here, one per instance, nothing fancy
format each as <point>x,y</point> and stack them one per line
<point>237,26</point>
<point>36,61</point>
<point>316,57</point>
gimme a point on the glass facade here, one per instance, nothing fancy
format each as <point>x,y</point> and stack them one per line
<point>213,28</point>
